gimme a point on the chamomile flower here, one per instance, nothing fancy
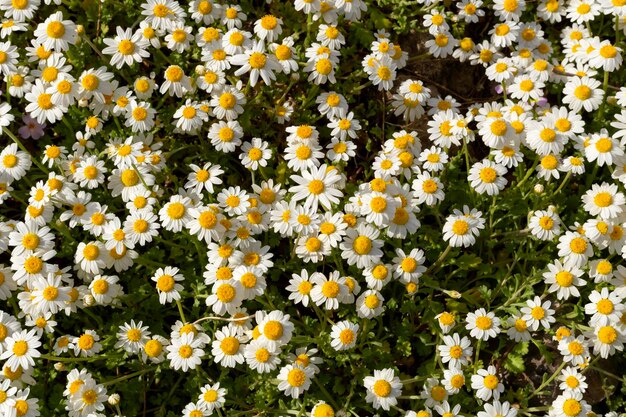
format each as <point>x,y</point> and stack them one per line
<point>583,93</point>
<point>228,347</point>
<point>370,304</point>
<point>563,280</point>
<point>536,313</point>
<point>574,349</point>
<point>261,357</point>
<point>226,296</point>
<point>140,116</point>
<point>228,104</point>
<point>328,291</point>
<point>604,307</point>
<point>132,337</point>
<point>509,9</point>
<point>604,200</point>
<point>167,283</point>
<point>300,287</point>
<point>175,214</point>
<point>383,388</point>
<point>255,154</point>
<point>487,177</point>
<point>487,384</point>
<point>344,335</point>
<point>126,48</point>
<point>56,33</point>
<point>21,349</point>
<point>545,225</point>
<point>483,325</point>
<point>572,380</point>
<point>212,397</point>
<point>604,149</point>
<point>295,379</point>
<point>185,352</point>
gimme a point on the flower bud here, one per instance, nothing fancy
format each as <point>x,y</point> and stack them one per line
<point>89,300</point>
<point>200,70</point>
<point>59,366</point>
<point>538,188</point>
<point>114,399</point>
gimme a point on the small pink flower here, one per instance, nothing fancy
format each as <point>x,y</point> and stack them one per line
<point>32,129</point>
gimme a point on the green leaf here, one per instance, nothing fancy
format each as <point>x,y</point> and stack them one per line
<point>514,364</point>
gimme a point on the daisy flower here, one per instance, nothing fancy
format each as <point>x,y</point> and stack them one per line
<point>185,352</point>
<point>295,379</point>
<point>604,307</point>
<point>212,397</point>
<point>228,347</point>
<point>582,93</point>
<point>126,48</point>
<point>328,291</point>
<point>56,33</point>
<point>487,177</point>
<point>174,215</point>
<point>300,287</point>
<point>343,335</point>
<point>564,281</point>
<point>132,337</point>
<point>575,249</point>
<point>255,153</point>
<point>604,200</point>
<point>21,349</point>
<point>456,350</point>
<point>383,388</point>
<point>167,283</point>
<point>260,357</point>
<point>535,314</point>
<point>482,325</point>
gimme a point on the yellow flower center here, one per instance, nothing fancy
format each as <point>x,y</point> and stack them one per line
<point>330,289</point>
<point>382,388</point>
<point>55,29</point>
<point>226,293</point>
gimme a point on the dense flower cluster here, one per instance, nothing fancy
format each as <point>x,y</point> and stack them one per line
<point>288,238</point>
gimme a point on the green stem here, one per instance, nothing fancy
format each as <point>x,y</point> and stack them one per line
<point>129,376</point>
<point>22,147</point>
<point>528,173</point>
<point>549,380</point>
<point>79,359</point>
<point>439,260</point>
<point>567,177</point>
<point>180,310</point>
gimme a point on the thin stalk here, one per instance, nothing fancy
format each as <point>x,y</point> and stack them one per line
<point>22,147</point>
